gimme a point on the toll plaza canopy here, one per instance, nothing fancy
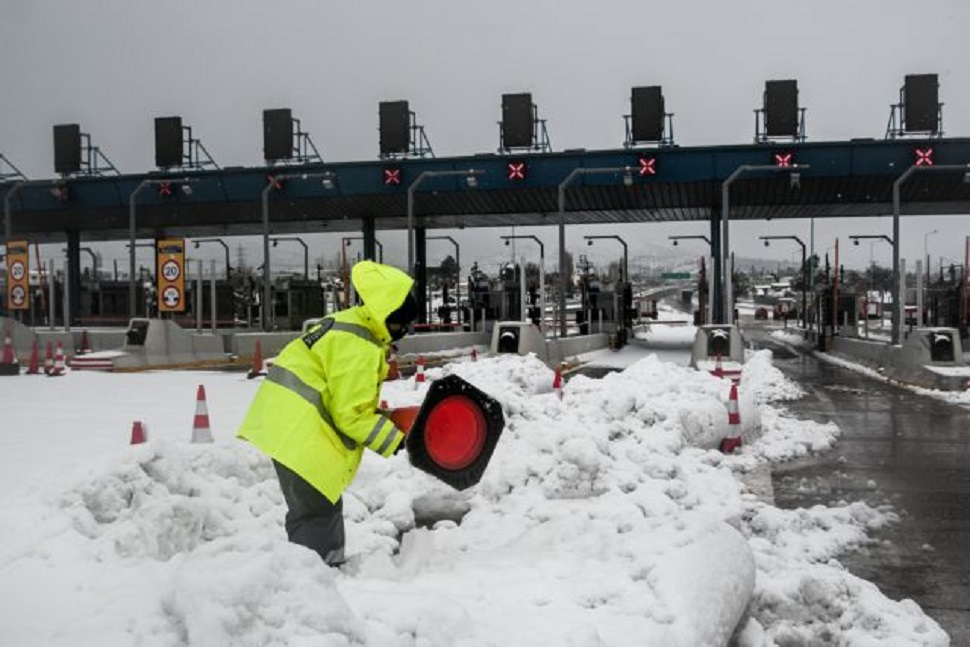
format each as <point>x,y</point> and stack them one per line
<point>805,180</point>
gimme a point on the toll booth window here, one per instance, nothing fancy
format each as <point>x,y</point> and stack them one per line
<point>719,343</point>
<point>941,348</point>
<point>508,340</point>
<point>137,331</point>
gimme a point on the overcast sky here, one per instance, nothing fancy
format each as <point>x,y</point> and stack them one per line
<point>114,65</point>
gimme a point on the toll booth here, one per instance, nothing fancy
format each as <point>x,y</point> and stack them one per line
<point>295,300</point>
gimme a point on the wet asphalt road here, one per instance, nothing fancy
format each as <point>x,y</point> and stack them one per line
<point>897,448</point>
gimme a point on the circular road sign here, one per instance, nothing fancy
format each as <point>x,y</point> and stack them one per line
<point>17,271</point>
<point>171,296</point>
<point>171,270</point>
<point>18,295</point>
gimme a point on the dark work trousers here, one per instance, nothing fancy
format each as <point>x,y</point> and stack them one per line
<point>311,519</point>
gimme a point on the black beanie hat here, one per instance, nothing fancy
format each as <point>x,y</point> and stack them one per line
<point>406,313</point>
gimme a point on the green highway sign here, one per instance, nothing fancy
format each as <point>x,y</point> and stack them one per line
<point>675,275</point>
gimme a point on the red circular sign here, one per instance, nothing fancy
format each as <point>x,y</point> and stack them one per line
<point>171,296</point>
<point>18,295</point>
<point>171,270</point>
<point>454,432</point>
<point>17,271</point>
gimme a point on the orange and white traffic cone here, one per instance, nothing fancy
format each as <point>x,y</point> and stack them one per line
<point>419,374</point>
<point>59,368</point>
<point>733,438</point>
<point>557,382</point>
<point>393,370</point>
<point>9,356</point>
<point>200,425</point>
<point>85,345</point>
<point>9,364</point>
<point>33,366</point>
<point>718,367</point>
<point>257,369</point>
<point>138,433</point>
<point>49,359</point>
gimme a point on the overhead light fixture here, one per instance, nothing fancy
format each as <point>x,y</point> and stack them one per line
<point>675,242</point>
<point>966,177</point>
<point>628,178</point>
<point>796,180</point>
<point>187,189</point>
<point>472,181</point>
<point>767,243</point>
<point>589,242</point>
<point>328,181</point>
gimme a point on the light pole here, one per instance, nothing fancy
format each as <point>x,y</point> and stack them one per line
<point>727,314</point>
<point>470,175</point>
<point>874,237</point>
<point>457,272</point>
<point>563,280</point>
<point>542,273</point>
<point>225,247</point>
<point>328,178</point>
<point>626,276</point>
<point>676,238</point>
<point>132,229</point>
<point>804,271</point>
<point>897,302</point>
<point>306,252</point>
<point>380,247</point>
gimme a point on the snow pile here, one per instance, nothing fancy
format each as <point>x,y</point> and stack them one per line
<point>599,520</point>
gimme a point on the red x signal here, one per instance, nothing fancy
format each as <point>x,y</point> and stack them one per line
<point>392,177</point>
<point>277,185</point>
<point>516,171</point>
<point>165,188</point>
<point>924,157</point>
<point>648,166</point>
<point>783,160</point>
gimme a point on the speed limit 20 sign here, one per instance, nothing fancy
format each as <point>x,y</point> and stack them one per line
<point>170,261</point>
<point>18,275</point>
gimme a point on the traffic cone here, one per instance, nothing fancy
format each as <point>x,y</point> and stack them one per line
<point>200,425</point>
<point>718,368</point>
<point>9,357</point>
<point>85,346</point>
<point>393,370</point>
<point>58,368</point>
<point>257,369</point>
<point>733,439</point>
<point>557,382</point>
<point>33,366</point>
<point>474,354</point>
<point>419,375</point>
<point>138,433</point>
<point>49,359</point>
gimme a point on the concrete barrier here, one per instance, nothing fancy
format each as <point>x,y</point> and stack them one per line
<point>439,341</point>
<point>920,361</point>
<point>161,342</point>
<point>523,338</point>
<point>718,340</point>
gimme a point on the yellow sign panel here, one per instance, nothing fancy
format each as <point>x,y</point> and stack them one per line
<point>18,275</point>
<point>170,266</point>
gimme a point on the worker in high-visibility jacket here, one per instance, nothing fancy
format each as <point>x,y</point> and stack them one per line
<point>317,409</point>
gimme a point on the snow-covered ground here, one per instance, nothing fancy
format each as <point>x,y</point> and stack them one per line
<point>603,519</point>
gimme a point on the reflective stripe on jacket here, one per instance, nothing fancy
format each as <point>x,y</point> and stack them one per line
<point>316,411</point>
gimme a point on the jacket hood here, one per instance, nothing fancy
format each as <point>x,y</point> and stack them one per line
<point>383,289</point>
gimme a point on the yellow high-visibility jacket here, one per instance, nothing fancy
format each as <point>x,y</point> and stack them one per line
<point>316,411</point>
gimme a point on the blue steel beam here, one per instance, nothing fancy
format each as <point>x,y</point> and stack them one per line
<point>846,178</point>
